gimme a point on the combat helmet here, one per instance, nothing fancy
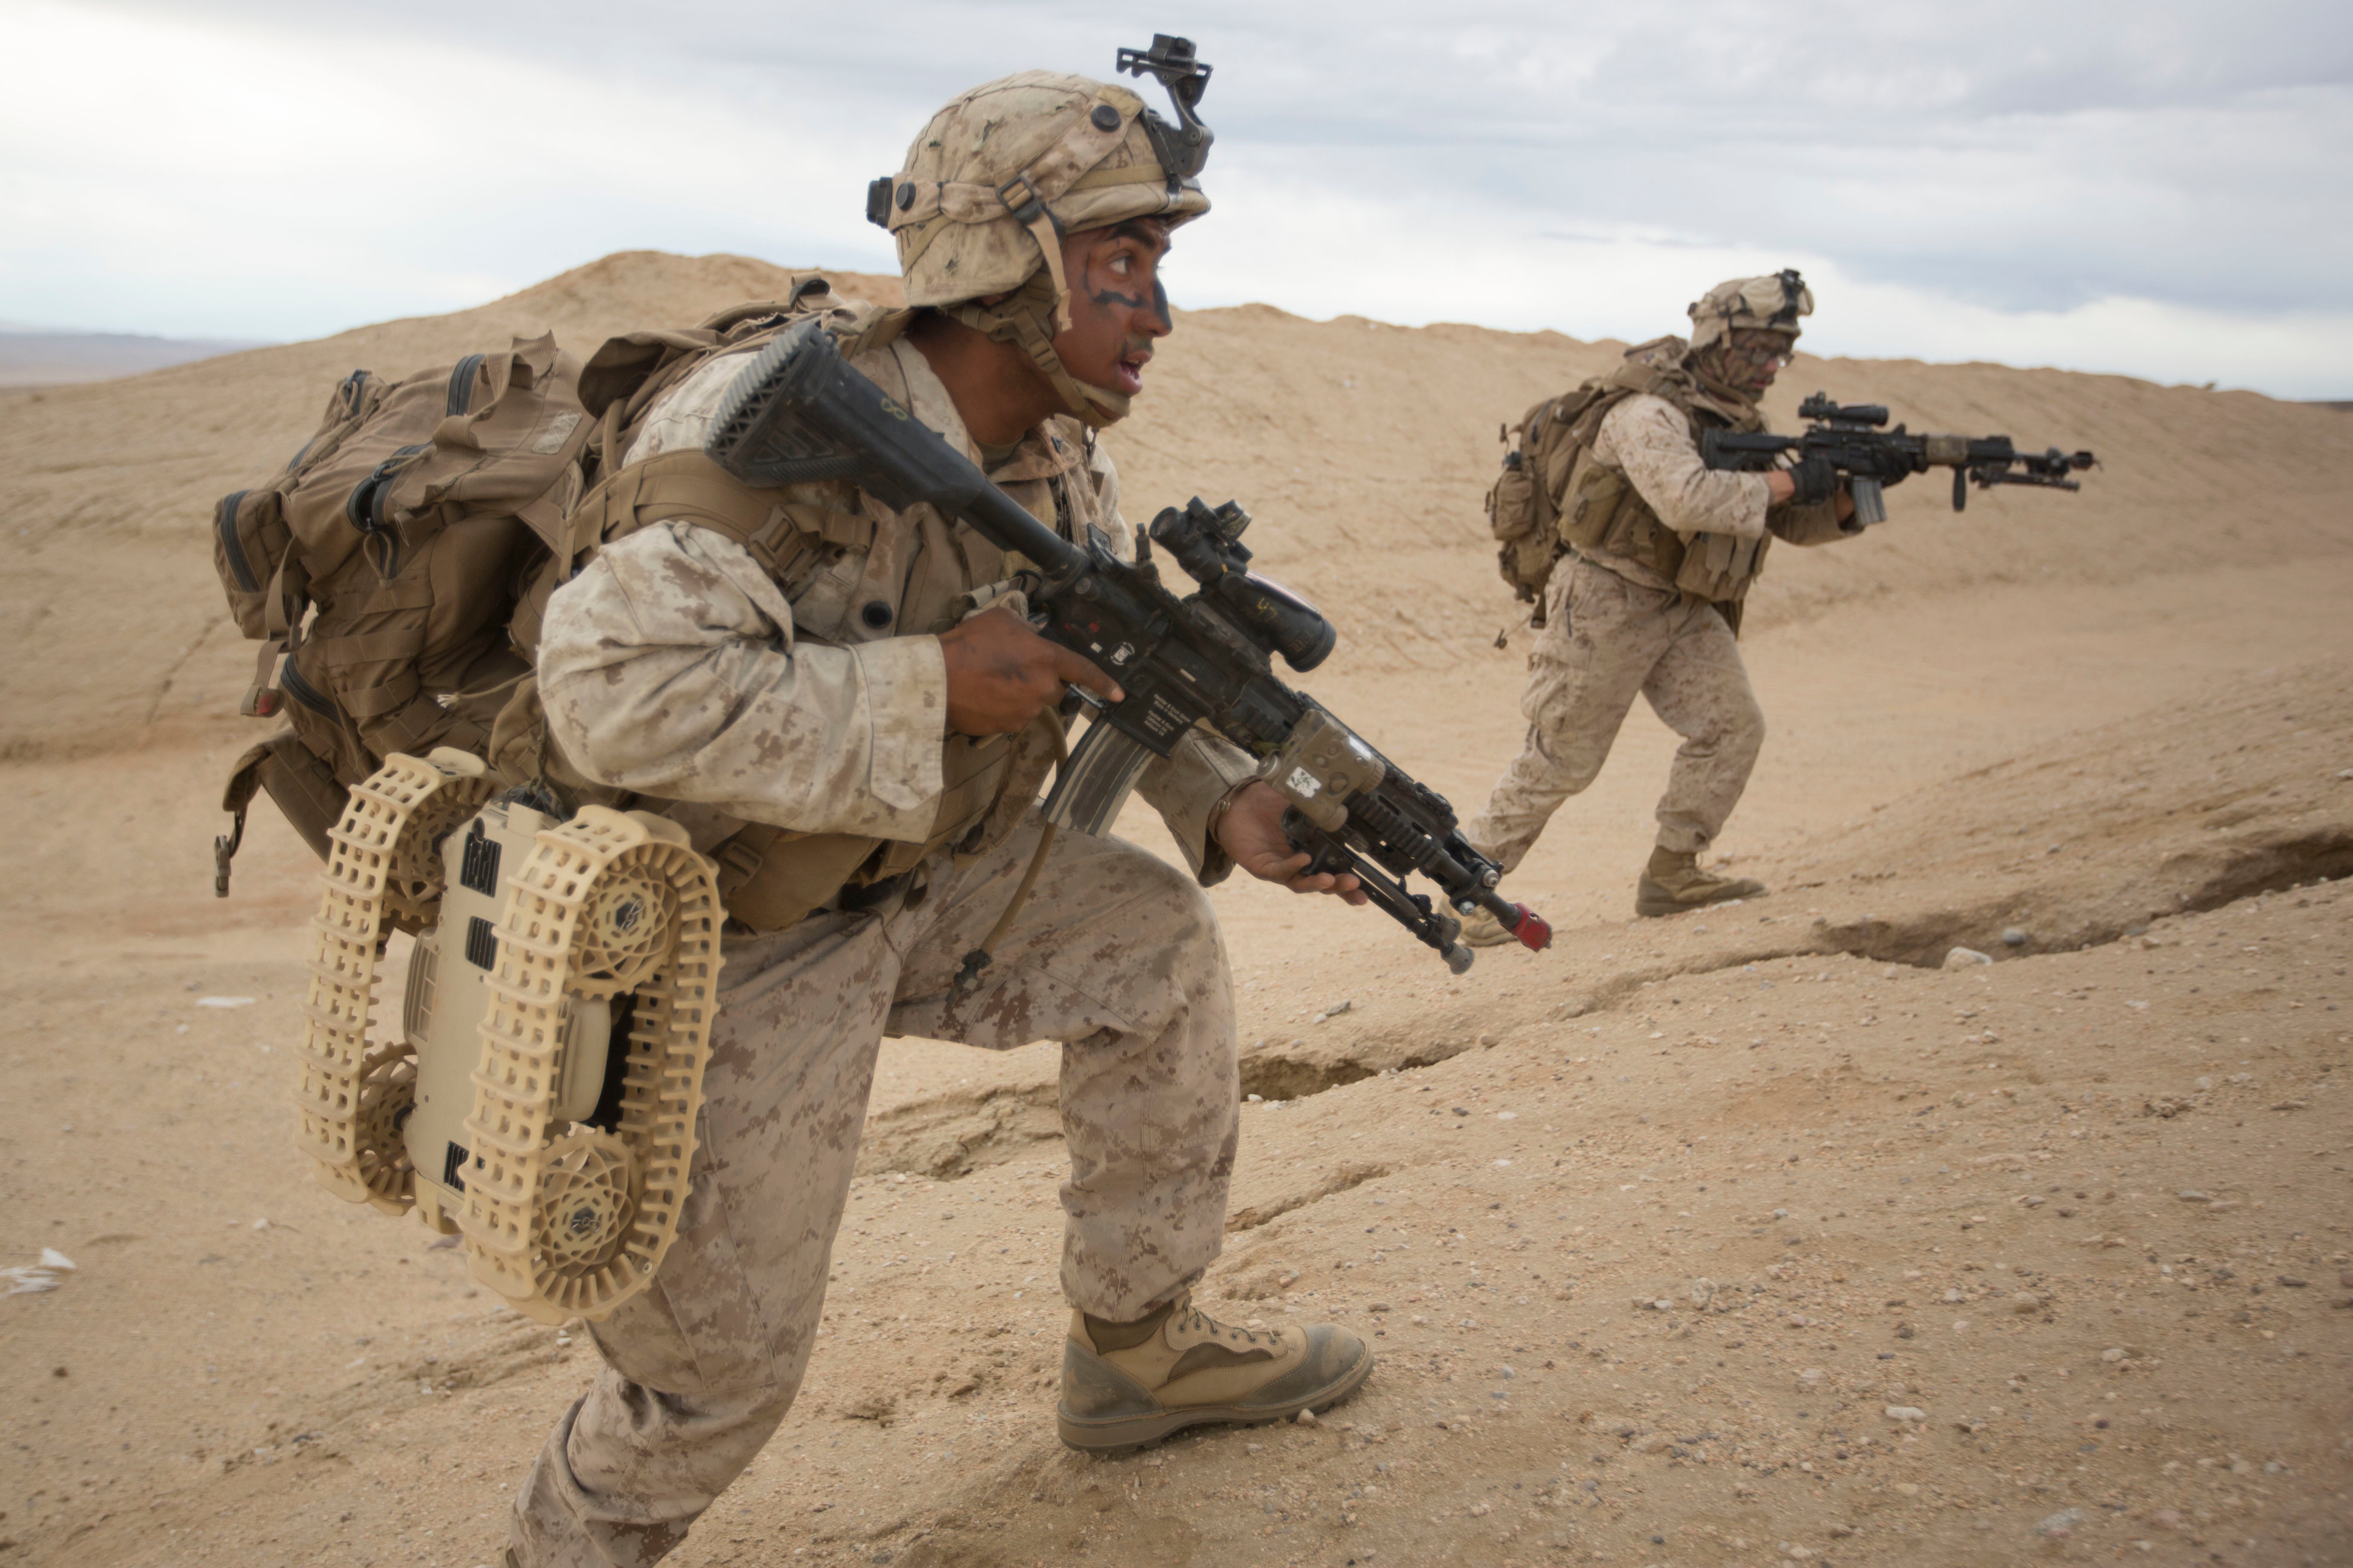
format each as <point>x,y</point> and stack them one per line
<point>1006,169</point>
<point>1773,302</point>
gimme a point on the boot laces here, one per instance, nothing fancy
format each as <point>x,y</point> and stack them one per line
<point>1201,1322</point>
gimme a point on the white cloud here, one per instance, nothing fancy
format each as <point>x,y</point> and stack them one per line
<point>2163,191</point>
<point>1453,263</point>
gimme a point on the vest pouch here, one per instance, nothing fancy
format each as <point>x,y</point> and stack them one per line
<point>249,543</point>
<point>1511,504</point>
<point>1525,546</point>
<point>971,773</point>
<point>1718,567</point>
<point>1589,508</point>
<point>771,876</point>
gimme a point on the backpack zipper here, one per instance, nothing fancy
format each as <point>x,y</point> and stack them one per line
<point>364,508</point>
<point>302,691</point>
<point>354,384</point>
<point>462,384</point>
<point>232,550</point>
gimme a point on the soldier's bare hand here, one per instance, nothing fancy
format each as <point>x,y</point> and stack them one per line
<point>1002,675</point>
<point>1252,833</point>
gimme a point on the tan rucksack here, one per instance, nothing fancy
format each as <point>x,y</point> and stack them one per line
<point>381,567</point>
<point>1523,507</point>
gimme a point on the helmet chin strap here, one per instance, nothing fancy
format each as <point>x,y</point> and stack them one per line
<point>1026,318</point>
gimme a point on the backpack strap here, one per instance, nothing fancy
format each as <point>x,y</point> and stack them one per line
<point>282,605</point>
<point>777,526</point>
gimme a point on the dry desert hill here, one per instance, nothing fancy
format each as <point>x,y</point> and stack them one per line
<point>1756,1235</point>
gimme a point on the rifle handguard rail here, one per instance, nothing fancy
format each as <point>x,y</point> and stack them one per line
<point>799,413</point>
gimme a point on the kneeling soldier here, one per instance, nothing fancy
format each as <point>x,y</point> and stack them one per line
<point>802,667</point>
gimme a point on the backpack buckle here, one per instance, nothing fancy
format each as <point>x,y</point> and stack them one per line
<point>263,699</point>
<point>224,847</point>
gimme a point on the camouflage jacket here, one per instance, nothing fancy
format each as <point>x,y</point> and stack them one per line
<point>1649,440</point>
<point>674,666</point>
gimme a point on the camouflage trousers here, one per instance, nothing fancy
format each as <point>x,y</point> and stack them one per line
<point>1606,640</point>
<point>1116,954</point>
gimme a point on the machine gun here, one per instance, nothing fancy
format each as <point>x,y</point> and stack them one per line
<point>1849,435</point>
<point>799,414</point>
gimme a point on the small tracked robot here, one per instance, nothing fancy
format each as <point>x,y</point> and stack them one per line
<point>539,1094</point>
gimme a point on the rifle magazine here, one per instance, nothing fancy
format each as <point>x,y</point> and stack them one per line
<point>1090,788</point>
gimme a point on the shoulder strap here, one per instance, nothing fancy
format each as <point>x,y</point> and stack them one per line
<point>772,524</point>
<point>1600,398</point>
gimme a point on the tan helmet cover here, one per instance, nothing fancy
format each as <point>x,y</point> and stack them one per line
<point>1007,168</point>
<point>1774,303</point>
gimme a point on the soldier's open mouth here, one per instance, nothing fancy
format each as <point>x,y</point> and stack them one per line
<point>1129,372</point>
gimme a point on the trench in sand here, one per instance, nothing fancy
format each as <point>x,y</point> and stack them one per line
<point>947,1136</point>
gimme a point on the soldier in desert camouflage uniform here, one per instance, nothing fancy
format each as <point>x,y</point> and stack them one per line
<point>838,683</point>
<point>1662,551</point>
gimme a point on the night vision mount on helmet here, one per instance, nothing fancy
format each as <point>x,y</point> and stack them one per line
<point>1007,171</point>
<point>1774,303</point>
<point>1183,148</point>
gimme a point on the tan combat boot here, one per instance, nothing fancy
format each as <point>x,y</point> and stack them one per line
<point>1673,882</point>
<point>1125,1383</point>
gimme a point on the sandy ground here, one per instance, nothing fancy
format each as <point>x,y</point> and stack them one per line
<point>1655,1232</point>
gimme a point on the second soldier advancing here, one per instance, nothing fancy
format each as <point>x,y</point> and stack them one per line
<point>1658,554</point>
<point>789,669</point>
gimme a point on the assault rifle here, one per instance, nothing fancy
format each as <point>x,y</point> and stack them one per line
<point>1849,436</point>
<point>799,414</point>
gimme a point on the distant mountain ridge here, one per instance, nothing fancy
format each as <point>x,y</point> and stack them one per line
<point>35,356</point>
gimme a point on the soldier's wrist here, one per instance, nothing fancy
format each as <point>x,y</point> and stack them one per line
<point>1225,803</point>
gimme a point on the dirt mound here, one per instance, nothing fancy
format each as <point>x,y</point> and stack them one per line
<point>1362,450</point>
<point>116,632</point>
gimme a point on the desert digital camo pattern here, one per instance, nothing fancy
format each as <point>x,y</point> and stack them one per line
<point>958,239</point>
<point>1607,638</point>
<point>1745,302</point>
<point>1117,954</point>
<point>1648,440</point>
<point>670,668</point>
<point>674,666</point>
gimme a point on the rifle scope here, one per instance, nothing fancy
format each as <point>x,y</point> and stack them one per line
<point>1205,542</point>
<point>1819,407</point>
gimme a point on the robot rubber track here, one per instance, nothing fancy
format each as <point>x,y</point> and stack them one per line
<point>561,1219</point>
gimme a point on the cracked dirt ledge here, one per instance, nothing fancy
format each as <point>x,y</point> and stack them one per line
<point>2072,846</point>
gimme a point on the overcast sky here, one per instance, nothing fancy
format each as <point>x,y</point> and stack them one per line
<point>2157,189</point>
